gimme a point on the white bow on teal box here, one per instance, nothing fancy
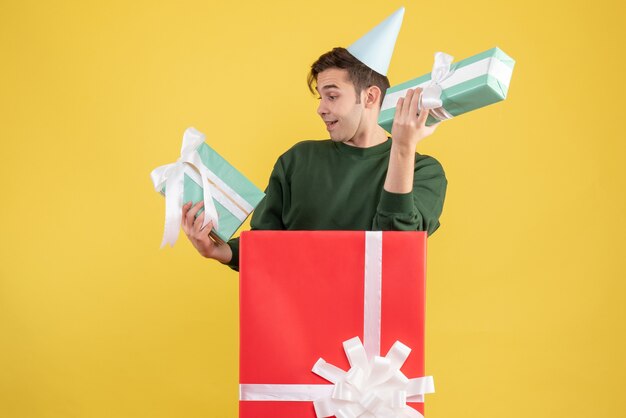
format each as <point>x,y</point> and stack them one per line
<point>200,173</point>
<point>453,89</point>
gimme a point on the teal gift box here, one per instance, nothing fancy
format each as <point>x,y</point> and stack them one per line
<point>233,196</point>
<point>469,84</point>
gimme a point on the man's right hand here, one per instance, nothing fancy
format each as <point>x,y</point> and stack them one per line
<point>199,236</point>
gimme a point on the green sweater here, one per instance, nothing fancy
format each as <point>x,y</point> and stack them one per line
<point>327,185</point>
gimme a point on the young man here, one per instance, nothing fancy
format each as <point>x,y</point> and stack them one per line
<point>359,179</point>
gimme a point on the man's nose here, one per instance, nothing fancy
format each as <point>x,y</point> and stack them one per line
<point>321,109</point>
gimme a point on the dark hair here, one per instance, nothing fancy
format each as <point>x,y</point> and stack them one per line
<point>359,74</point>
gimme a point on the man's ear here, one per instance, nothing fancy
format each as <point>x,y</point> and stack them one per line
<point>372,96</point>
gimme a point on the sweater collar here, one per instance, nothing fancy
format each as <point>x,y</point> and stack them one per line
<point>376,150</point>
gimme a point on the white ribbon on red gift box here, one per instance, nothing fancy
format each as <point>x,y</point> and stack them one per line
<point>374,387</point>
<point>172,176</point>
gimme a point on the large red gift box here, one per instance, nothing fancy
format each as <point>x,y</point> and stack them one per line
<point>304,293</point>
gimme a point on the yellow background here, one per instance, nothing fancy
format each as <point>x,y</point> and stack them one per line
<point>526,284</point>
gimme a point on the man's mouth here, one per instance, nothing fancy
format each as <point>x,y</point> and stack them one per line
<point>330,124</point>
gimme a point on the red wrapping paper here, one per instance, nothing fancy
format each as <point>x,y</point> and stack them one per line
<point>301,297</point>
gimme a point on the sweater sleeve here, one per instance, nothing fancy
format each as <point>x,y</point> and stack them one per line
<point>268,215</point>
<point>418,210</point>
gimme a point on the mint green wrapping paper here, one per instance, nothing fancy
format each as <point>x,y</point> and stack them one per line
<point>475,82</point>
<point>233,179</point>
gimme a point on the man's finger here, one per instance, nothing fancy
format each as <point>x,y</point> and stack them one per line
<point>197,224</point>
<point>192,212</point>
<point>208,226</point>
<point>399,108</point>
<point>421,119</point>
<point>414,103</point>
<point>407,103</point>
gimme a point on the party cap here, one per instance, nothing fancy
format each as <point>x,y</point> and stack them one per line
<point>376,47</point>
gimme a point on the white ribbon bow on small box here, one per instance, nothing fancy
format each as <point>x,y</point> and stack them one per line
<point>431,93</point>
<point>172,176</point>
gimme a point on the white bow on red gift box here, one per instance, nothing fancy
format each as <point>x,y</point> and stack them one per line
<point>374,388</point>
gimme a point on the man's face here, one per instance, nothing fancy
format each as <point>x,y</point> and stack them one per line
<point>338,104</point>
